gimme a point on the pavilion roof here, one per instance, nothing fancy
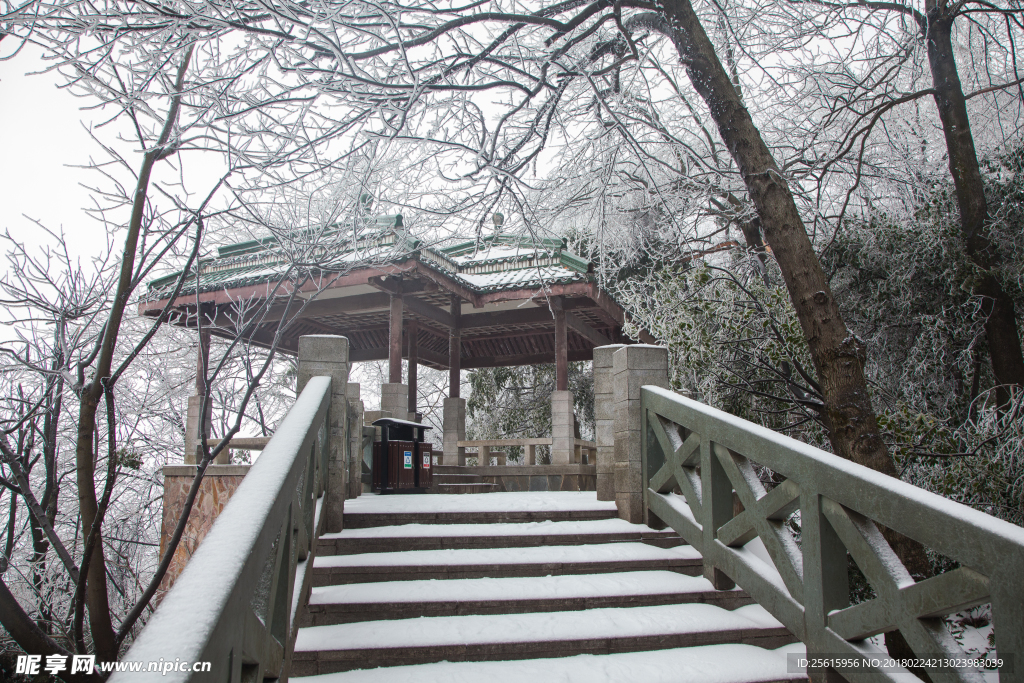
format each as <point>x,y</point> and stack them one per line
<point>494,263</point>
<point>499,291</point>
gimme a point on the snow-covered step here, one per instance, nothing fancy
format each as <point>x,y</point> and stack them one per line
<point>476,508</point>
<point>364,645</point>
<point>502,535</point>
<point>703,664</point>
<point>410,599</point>
<point>497,562</point>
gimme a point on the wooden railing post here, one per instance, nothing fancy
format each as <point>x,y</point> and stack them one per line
<point>327,355</point>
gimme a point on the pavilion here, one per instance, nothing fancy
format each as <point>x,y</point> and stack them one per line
<point>501,301</point>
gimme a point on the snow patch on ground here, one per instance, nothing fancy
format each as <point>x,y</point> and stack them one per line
<point>605,552</point>
<point>531,501</point>
<point>611,622</point>
<point>533,588</point>
<point>545,528</point>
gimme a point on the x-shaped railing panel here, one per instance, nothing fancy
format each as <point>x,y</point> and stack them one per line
<point>696,458</point>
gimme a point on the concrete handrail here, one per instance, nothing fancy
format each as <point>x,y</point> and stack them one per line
<point>694,458</point>
<point>235,602</point>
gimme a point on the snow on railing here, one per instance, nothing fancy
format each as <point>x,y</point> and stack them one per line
<point>233,605</point>
<point>788,547</point>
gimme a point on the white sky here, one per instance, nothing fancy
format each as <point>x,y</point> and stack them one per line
<point>41,136</point>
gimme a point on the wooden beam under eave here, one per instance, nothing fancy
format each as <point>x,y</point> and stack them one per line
<point>586,331</point>
<point>524,359</point>
<point>448,284</point>
<point>426,356</point>
<point>277,291</point>
<point>519,316</point>
<point>359,303</point>
<point>430,312</point>
<point>263,339</point>
<point>297,309</point>
<point>568,290</point>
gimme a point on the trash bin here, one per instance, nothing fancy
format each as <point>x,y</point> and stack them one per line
<point>407,465</point>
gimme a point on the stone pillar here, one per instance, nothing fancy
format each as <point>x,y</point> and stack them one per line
<point>326,354</point>
<point>355,440</point>
<point>563,436</point>
<point>454,431</point>
<point>394,398</point>
<point>633,367</point>
<point>604,416</point>
<point>371,416</point>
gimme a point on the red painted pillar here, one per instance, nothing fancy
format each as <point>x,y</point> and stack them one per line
<point>202,363</point>
<point>395,341</point>
<point>412,329</point>
<point>561,347</point>
<point>455,350</point>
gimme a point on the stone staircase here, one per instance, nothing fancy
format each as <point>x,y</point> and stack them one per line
<point>523,587</point>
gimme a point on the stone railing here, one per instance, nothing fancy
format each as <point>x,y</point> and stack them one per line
<point>585,451</point>
<point>243,443</point>
<point>695,459</point>
<point>235,603</point>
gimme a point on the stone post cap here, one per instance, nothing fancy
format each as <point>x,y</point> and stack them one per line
<point>603,354</point>
<point>640,357</point>
<point>323,347</point>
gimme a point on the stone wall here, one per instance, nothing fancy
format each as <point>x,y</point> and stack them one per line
<point>219,483</point>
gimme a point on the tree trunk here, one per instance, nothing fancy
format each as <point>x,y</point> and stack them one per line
<point>996,304</point>
<point>837,354</point>
<point>96,597</point>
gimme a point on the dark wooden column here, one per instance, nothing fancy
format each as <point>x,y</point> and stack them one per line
<point>412,329</point>
<point>202,363</point>
<point>395,341</point>
<point>561,347</point>
<point>455,349</point>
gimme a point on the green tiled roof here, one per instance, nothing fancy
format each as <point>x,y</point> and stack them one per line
<point>495,263</point>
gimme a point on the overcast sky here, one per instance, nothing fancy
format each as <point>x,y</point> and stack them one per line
<point>42,135</point>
